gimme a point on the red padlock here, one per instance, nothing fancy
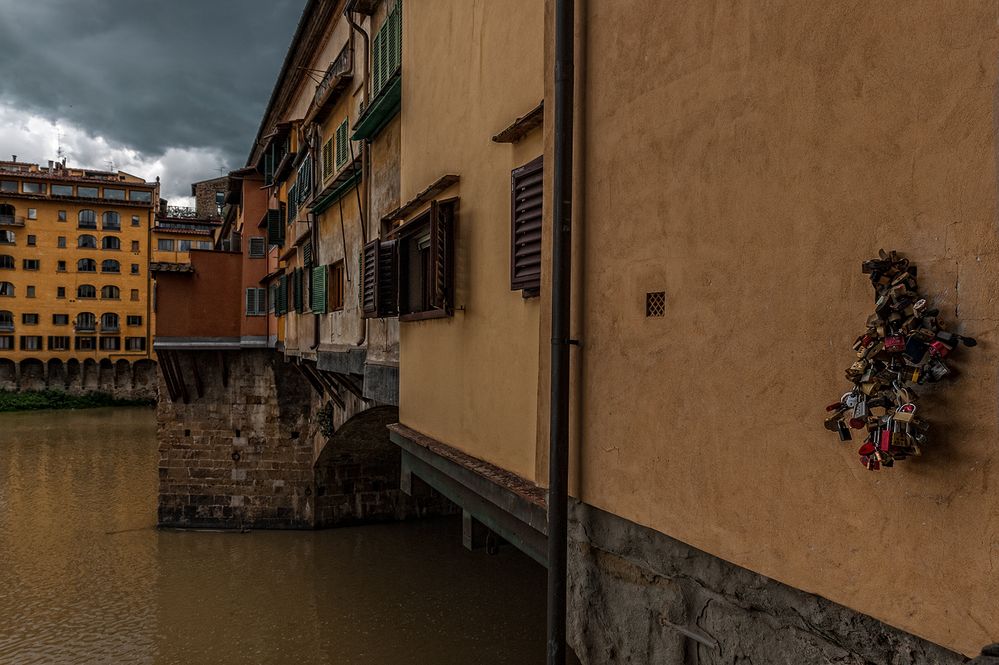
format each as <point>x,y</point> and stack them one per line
<point>938,349</point>
<point>894,344</point>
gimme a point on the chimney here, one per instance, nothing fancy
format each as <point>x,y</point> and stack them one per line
<point>51,163</point>
<point>13,158</point>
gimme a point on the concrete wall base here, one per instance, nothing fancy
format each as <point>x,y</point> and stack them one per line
<point>639,596</point>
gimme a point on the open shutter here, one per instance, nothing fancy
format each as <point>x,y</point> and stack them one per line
<point>318,294</point>
<point>388,280</point>
<point>297,282</point>
<point>261,301</point>
<point>281,307</point>
<point>525,252</point>
<point>275,230</point>
<point>440,252</point>
<point>369,280</point>
<point>328,156</point>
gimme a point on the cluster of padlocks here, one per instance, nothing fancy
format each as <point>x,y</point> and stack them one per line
<point>905,345</point>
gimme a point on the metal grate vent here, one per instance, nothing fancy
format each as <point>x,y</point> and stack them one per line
<point>655,303</point>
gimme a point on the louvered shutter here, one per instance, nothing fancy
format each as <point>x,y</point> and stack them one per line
<point>396,28</point>
<point>297,284</point>
<point>307,253</point>
<point>319,290</point>
<point>251,301</point>
<point>281,307</point>
<point>275,230</point>
<point>526,184</point>
<point>258,247</point>
<point>439,256</point>
<point>369,280</point>
<point>388,279</point>
<point>261,301</point>
<point>342,149</point>
<point>328,155</point>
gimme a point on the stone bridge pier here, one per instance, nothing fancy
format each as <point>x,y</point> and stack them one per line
<point>120,378</point>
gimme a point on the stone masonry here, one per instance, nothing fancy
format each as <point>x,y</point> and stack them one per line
<point>639,596</point>
<point>238,455</point>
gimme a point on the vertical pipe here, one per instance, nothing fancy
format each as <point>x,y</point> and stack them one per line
<point>558,454</point>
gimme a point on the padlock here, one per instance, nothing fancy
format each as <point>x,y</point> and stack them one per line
<point>894,344</point>
<point>938,349</point>
<point>935,370</point>
<point>843,431</point>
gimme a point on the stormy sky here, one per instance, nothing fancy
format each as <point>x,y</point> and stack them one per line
<point>169,88</point>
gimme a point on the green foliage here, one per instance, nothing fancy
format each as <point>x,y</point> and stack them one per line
<point>53,399</point>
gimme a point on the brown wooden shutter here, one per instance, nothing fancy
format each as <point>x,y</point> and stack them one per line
<point>388,278</point>
<point>439,254</point>
<point>369,280</point>
<point>526,184</point>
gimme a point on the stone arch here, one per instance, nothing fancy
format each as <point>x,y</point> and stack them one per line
<point>8,374</point>
<point>89,379</point>
<point>144,379</point>
<point>32,374</point>
<point>123,377</point>
<point>57,374</point>
<point>105,373</point>
<point>74,380</point>
<point>357,472</point>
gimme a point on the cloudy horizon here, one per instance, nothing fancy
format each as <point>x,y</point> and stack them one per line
<point>176,90</point>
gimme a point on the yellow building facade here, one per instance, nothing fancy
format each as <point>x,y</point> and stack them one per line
<point>74,255</point>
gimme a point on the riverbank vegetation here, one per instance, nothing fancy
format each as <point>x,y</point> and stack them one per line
<point>54,399</point>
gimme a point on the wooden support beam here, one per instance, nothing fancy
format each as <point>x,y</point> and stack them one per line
<point>198,385</point>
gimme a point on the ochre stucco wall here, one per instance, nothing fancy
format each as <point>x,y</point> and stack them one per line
<point>475,66</point>
<point>745,159</point>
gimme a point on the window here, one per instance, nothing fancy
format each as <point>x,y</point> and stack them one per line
<point>60,319</point>
<point>110,242</point>
<point>133,320</point>
<point>109,322</point>
<point>334,286</point>
<point>87,219</point>
<point>281,301</point>
<point>7,342</point>
<point>135,245</point>
<point>6,320</point>
<point>114,194</point>
<point>86,321</point>
<point>7,237</point>
<point>58,343</point>
<point>61,242</point>
<point>110,292</point>
<point>31,342</point>
<point>110,265</point>
<point>6,289</point>
<point>86,241</point>
<point>204,244</point>
<point>110,221</point>
<point>62,190</point>
<point>135,220</point>
<point>29,292</point>
<point>87,192</point>
<point>275,226</point>
<point>140,196</point>
<point>110,344</point>
<point>29,319</point>
<point>135,268</point>
<point>33,187</point>
<point>32,213</point>
<point>135,295</point>
<point>317,290</point>
<point>165,244</point>
<point>31,264</point>
<point>62,215</point>
<point>342,145</point>
<point>60,292</point>
<point>258,247</point>
<point>86,291</point>
<point>86,265</point>
<point>86,343</point>
<point>6,262</point>
<point>8,185</point>
<point>32,240</point>
<point>386,51</point>
<point>135,343</point>
<point>424,268</point>
<point>256,302</point>
<point>60,266</point>
<point>183,245</point>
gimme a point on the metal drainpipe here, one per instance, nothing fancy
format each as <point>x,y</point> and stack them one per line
<point>365,158</point>
<point>558,453</point>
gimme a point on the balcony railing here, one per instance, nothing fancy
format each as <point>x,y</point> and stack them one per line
<point>11,220</point>
<point>110,330</point>
<point>85,327</point>
<point>340,68</point>
<point>6,327</point>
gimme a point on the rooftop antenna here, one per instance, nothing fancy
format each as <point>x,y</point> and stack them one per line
<point>110,164</point>
<point>60,152</point>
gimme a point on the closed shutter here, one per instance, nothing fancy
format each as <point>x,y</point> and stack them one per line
<point>258,247</point>
<point>261,301</point>
<point>307,253</point>
<point>388,280</point>
<point>293,203</point>
<point>328,155</point>
<point>275,229</point>
<point>342,148</point>
<point>440,253</point>
<point>281,307</point>
<point>318,294</point>
<point>251,301</point>
<point>377,65</point>
<point>395,39</point>
<point>526,184</point>
<point>368,293</point>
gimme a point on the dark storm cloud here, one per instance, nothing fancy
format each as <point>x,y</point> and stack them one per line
<point>148,75</point>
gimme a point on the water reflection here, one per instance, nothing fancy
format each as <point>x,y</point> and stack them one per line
<point>85,578</point>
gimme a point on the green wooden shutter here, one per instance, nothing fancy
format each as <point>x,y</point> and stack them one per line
<point>328,155</point>
<point>396,38</point>
<point>342,148</point>
<point>368,293</point>
<point>307,253</point>
<point>275,229</point>
<point>281,307</point>
<point>319,290</point>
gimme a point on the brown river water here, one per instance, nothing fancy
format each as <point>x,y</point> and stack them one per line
<point>85,577</point>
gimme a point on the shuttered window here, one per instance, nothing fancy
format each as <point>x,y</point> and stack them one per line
<point>379,279</point>
<point>258,247</point>
<point>526,218</point>
<point>426,264</point>
<point>318,292</point>
<point>298,290</point>
<point>307,254</point>
<point>256,302</point>
<point>328,157</point>
<point>275,228</point>
<point>293,203</point>
<point>334,286</point>
<point>342,147</point>
<point>386,49</point>
<point>281,304</point>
